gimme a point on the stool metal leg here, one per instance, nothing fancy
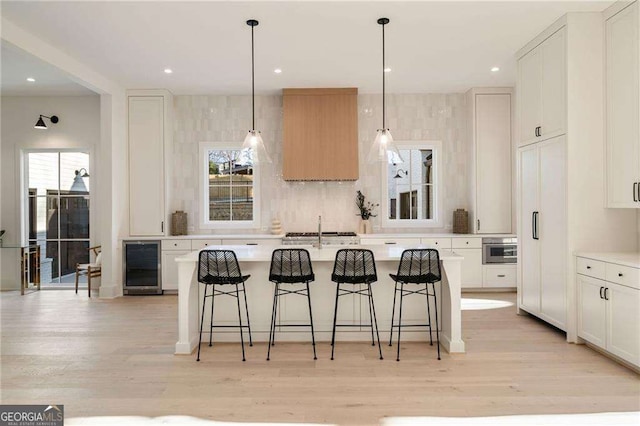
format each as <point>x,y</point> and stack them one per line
<point>313,339</point>
<point>240,320</point>
<point>400,319</point>
<point>335,316</point>
<point>213,299</point>
<point>246,307</point>
<point>273,320</point>
<point>373,342</point>
<point>426,288</point>
<point>393,312</point>
<point>375,319</point>
<point>204,299</point>
<point>435,302</point>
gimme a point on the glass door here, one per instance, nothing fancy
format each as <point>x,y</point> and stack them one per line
<point>58,202</point>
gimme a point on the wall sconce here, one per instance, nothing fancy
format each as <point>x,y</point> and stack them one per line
<point>40,123</point>
<point>399,176</point>
<point>83,175</point>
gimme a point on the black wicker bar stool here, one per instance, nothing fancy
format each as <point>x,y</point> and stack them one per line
<point>355,266</point>
<point>290,266</point>
<point>221,268</point>
<point>418,268</point>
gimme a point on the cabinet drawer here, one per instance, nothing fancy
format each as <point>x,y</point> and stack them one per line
<point>402,242</point>
<point>623,275</point>
<point>590,267</point>
<point>441,243</point>
<point>200,244</point>
<point>460,243</point>
<point>251,242</point>
<point>176,244</point>
<point>498,276</point>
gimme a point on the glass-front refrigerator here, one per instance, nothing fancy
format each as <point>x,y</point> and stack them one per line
<point>142,268</point>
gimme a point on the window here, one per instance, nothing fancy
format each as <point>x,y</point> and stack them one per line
<point>228,187</point>
<point>413,187</point>
<point>57,212</point>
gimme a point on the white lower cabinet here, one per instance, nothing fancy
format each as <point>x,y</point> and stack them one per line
<point>499,276</point>
<point>170,268</point>
<point>609,315</point>
<point>471,267</point>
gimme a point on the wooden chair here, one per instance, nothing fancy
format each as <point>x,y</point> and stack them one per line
<point>91,270</point>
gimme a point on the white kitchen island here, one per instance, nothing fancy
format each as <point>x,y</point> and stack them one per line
<point>255,260</point>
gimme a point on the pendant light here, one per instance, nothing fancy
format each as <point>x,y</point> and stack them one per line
<point>253,142</point>
<point>383,148</point>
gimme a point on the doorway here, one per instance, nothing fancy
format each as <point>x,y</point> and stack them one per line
<point>57,213</point>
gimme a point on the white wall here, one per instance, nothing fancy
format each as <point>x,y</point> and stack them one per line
<point>298,204</point>
<point>78,128</point>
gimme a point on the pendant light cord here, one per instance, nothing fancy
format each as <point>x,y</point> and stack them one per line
<point>253,87</point>
<point>383,84</point>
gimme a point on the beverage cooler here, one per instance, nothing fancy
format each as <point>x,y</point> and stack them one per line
<point>141,267</point>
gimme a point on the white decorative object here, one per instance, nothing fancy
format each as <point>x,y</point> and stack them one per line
<point>276,227</point>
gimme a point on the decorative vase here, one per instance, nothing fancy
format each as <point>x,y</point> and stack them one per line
<point>364,227</point>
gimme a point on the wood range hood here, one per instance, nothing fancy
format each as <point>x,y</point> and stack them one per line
<point>320,134</point>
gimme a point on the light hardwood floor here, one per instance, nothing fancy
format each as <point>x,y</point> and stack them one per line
<point>115,357</point>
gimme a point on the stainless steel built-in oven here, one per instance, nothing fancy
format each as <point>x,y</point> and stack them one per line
<point>499,250</point>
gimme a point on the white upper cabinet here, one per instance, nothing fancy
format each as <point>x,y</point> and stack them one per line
<point>490,133</point>
<point>542,90</point>
<point>148,135</point>
<point>622,108</point>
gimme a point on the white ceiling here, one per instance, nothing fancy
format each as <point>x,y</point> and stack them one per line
<point>431,46</point>
<point>18,65</point>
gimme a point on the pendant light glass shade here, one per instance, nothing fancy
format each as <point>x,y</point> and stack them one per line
<point>383,148</point>
<point>253,144</point>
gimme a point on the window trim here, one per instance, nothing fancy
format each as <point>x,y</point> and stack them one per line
<point>436,222</point>
<point>203,161</point>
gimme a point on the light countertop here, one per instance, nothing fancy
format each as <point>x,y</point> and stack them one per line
<point>246,253</point>
<point>438,235</point>
<point>631,259</point>
<point>210,237</point>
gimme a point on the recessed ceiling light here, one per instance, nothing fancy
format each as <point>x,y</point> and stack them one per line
<point>31,79</point>
<point>495,69</point>
<point>387,70</point>
<point>168,71</point>
<point>277,71</point>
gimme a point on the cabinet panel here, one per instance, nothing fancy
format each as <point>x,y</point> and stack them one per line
<point>498,276</point>
<point>528,250</point>
<point>170,268</point>
<point>493,163</point>
<point>176,244</point>
<point>530,95</point>
<point>404,242</point>
<point>552,231</point>
<point>471,267</point>
<point>591,310</point>
<point>624,275</point>
<point>146,165</point>
<point>252,242</point>
<point>554,103</point>
<point>622,103</point>
<point>623,312</point>
<point>200,244</point>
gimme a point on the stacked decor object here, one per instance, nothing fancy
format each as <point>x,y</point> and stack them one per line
<point>460,221</point>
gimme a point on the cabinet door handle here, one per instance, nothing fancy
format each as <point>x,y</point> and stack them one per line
<point>601,289</point>
<point>501,275</point>
<point>606,293</point>
<point>638,191</point>
<point>534,225</point>
<point>252,244</point>
<point>635,192</point>
<point>588,267</point>
<point>478,224</point>
<point>619,274</point>
<point>391,243</point>
<point>162,226</point>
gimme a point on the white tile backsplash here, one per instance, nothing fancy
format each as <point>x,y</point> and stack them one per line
<point>298,204</point>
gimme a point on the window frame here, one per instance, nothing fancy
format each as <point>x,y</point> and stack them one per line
<point>436,147</point>
<point>203,197</point>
